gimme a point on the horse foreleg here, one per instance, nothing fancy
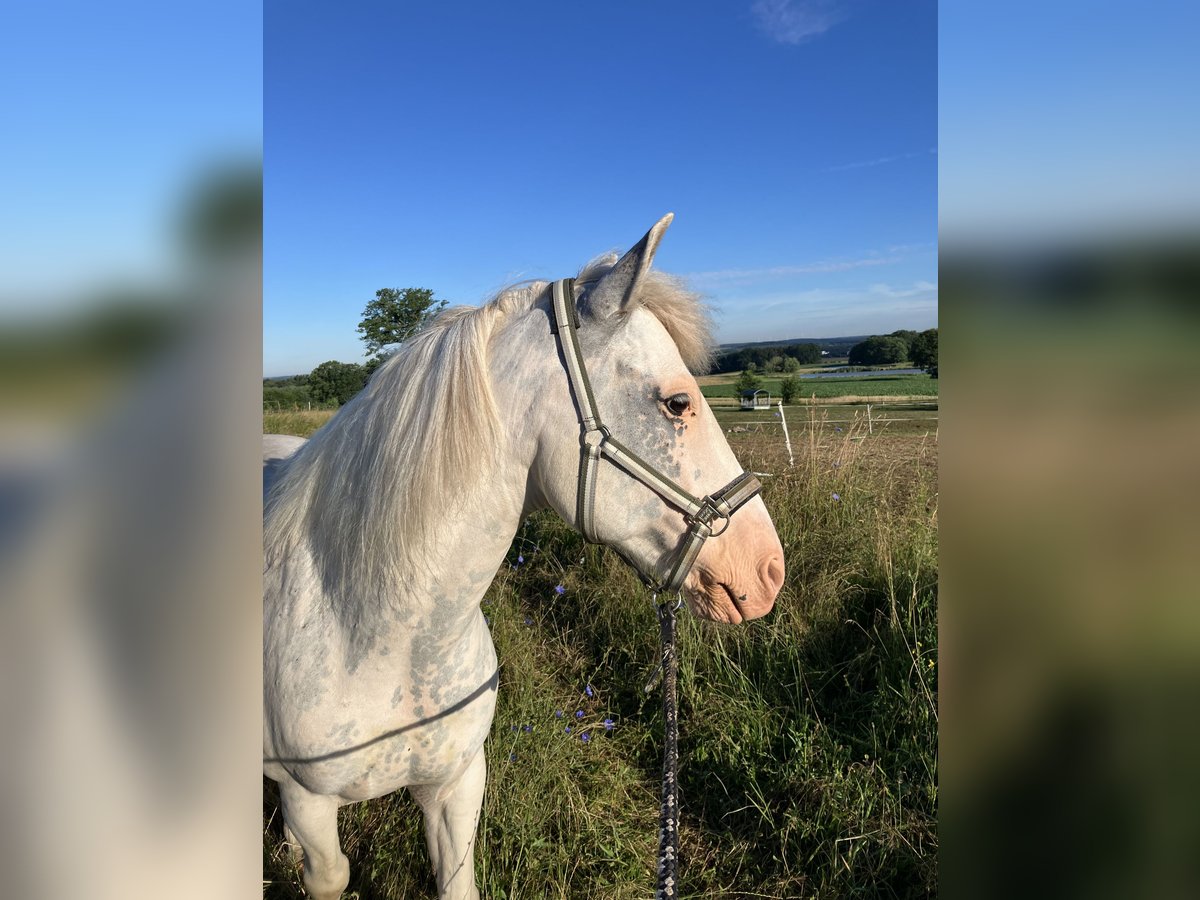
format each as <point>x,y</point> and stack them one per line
<point>295,851</point>
<point>311,820</point>
<point>451,817</point>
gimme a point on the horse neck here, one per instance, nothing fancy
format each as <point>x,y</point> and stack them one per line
<point>469,544</point>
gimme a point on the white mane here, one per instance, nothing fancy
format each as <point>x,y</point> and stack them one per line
<point>418,440</point>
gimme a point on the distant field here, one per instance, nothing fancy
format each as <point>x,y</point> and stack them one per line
<point>881,385</point>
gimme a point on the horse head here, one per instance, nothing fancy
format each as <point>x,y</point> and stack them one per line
<point>637,332</point>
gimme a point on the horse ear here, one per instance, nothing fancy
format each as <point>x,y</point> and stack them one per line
<point>613,293</point>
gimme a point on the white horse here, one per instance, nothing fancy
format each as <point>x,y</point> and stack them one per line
<point>384,531</point>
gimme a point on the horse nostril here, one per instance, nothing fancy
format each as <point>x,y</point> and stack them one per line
<point>770,573</point>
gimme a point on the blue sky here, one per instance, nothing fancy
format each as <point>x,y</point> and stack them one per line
<point>111,111</point>
<point>1068,118</point>
<point>461,147</point>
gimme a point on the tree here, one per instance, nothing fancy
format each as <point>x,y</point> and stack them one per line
<point>748,381</point>
<point>789,389</point>
<point>395,315</point>
<point>924,353</point>
<point>907,336</point>
<point>336,382</point>
<point>791,364</point>
<point>880,350</point>
<point>806,354</point>
<point>281,393</point>
<point>374,363</point>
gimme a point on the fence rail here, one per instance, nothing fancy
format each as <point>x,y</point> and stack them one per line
<point>878,400</point>
<point>864,411</point>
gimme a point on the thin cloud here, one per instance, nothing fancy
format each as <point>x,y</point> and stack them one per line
<point>912,248</point>
<point>877,309</point>
<point>796,21</point>
<point>881,161</point>
<point>742,276</point>
<point>918,288</point>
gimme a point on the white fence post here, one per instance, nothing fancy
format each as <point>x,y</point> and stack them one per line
<point>786,438</point>
<point>869,429</point>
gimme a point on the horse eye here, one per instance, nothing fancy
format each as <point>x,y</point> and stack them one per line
<point>678,404</point>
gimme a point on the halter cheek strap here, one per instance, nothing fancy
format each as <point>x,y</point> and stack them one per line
<point>596,442</point>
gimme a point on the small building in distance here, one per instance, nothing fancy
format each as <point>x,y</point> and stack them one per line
<point>758,399</point>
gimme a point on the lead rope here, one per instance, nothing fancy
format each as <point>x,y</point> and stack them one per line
<point>668,826</point>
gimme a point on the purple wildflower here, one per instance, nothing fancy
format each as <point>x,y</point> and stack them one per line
<point>608,724</point>
<point>520,559</point>
<point>528,621</point>
<point>559,589</point>
<point>558,714</point>
<point>588,690</point>
<point>512,757</point>
<point>585,737</point>
<point>567,729</point>
<point>579,713</point>
<point>527,728</point>
<point>837,496</point>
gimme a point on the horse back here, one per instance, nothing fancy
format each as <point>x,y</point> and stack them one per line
<point>277,450</point>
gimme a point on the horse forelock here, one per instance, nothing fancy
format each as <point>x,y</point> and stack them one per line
<point>680,310</point>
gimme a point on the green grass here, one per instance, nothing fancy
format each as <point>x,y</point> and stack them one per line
<point>866,386</point>
<point>808,739</point>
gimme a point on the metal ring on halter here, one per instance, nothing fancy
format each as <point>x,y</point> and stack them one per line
<point>675,608</point>
<point>722,531</point>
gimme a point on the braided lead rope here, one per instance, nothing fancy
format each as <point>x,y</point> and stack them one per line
<point>667,886</point>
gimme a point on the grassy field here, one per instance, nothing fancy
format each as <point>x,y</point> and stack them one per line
<point>808,739</point>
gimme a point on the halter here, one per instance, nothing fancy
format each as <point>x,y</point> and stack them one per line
<point>596,442</point>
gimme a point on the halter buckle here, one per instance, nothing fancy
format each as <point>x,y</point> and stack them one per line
<point>709,512</point>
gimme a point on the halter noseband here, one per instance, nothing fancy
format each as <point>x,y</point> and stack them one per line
<point>595,442</point>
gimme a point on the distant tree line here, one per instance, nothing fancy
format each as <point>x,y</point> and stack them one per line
<point>919,348</point>
<point>768,359</point>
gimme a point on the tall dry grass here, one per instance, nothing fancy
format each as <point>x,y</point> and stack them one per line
<point>301,423</point>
